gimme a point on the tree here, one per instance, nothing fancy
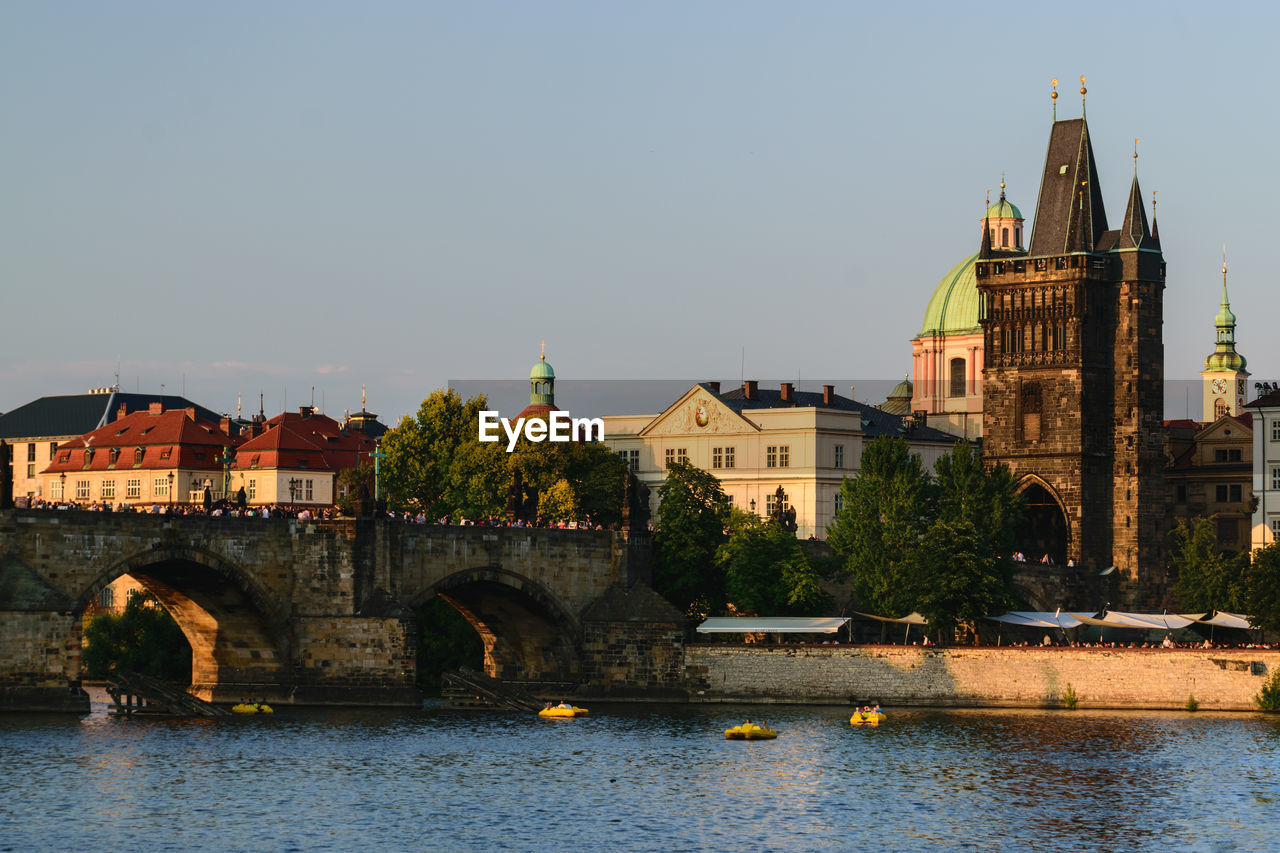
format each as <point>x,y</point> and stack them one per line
<point>595,473</point>
<point>1206,578</point>
<point>1262,587</point>
<point>767,571</point>
<point>436,464</point>
<point>144,639</point>
<point>692,513</point>
<point>355,481</point>
<point>446,641</point>
<point>558,503</point>
<point>957,578</point>
<point>885,511</point>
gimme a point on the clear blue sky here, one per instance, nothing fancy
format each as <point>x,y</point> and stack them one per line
<point>265,197</point>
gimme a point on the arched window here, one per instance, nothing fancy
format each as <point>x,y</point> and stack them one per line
<point>137,456</point>
<point>1219,408</point>
<point>1004,238</point>
<point>957,377</point>
<point>1017,236</point>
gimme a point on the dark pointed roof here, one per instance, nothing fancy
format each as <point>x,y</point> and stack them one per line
<point>984,251</point>
<point>77,414</point>
<point>1070,216</point>
<point>1134,233</point>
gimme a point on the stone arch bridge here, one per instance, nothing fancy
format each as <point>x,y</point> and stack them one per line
<point>311,612</point>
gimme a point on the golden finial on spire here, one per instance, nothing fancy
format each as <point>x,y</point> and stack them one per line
<point>988,199</point>
<point>1083,91</point>
<point>1054,95</point>
<point>1135,155</point>
<point>362,404</point>
<point>1224,265</point>
<point>1002,183</point>
<point>237,405</point>
<point>544,351</point>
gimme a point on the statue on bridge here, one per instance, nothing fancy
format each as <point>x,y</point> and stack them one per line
<point>784,518</point>
<point>635,504</point>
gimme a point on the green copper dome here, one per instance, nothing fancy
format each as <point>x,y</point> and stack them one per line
<point>954,306</point>
<point>1004,209</point>
<point>1225,362</point>
<point>542,370</point>
<point>1224,317</point>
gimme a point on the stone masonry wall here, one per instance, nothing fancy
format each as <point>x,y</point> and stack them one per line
<point>1013,678</point>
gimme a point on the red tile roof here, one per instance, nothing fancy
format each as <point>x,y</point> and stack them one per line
<point>170,439</point>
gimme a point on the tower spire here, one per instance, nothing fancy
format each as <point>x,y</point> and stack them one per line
<point>1054,95</point>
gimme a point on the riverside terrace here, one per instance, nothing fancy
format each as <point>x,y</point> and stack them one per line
<point>321,611</point>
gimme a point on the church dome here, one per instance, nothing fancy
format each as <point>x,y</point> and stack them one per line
<point>1224,316</point>
<point>1003,209</point>
<point>1225,362</point>
<point>542,370</point>
<point>954,306</point>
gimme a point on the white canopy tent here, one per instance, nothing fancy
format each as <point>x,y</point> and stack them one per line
<point>1149,621</point>
<point>1038,619</point>
<point>1228,620</point>
<point>772,625</point>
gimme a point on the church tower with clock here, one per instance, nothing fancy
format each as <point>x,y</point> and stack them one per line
<point>1073,394</point>
<point>1224,374</point>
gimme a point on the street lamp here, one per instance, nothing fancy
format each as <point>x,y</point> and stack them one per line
<point>62,486</point>
<point>227,457</point>
<point>294,482</point>
<point>378,456</point>
<point>170,491</point>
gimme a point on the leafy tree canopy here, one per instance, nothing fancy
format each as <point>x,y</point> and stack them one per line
<point>1206,578</point>
<point>144,638</point>
<point>691,518</point>
<point>1262,587</point>
<point>767,571</point>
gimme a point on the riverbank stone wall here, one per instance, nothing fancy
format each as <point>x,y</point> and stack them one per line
<point>1219,679</point>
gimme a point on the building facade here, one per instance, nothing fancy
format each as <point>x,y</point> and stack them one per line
<point>1073,397</point>
<point>1266,468</point>
<point>1211,475</point>
<point>756,440</point>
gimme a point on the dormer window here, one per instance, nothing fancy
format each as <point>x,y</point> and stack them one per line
<point>137,455</point>
<point>166,452</point>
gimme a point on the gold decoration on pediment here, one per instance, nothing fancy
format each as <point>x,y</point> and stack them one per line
<point>698,414</point>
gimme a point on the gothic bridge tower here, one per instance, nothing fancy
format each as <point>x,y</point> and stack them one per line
<point>1074,380</point>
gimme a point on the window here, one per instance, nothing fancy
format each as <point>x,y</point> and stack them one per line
<point>137,455</point>
<point>839,456</point>
<point>631,457</point>
<point>1237,493</point>
<point>160,487</point>
<point>1219,408</point>
<point>308,493</point>
<point>839,502</point>
<point>1220,455</point>
<point>166,452</point>
<point>252,491</point>
<point>1275,478</point>
<point>1182,493</point>
<point>729,457</point>
<point>1220,493</point>
<point>1227,529</point>
<point>676,454</point>
<point>31,452</point>
<point>82,490</point>
<point>53,447</point>
<point>1233,455</point>
<point>31,471</point>
<point>957,377</point>
<point>1275,430</point>
<point>778,456</point>
<point>771,456</point>
<point>107,598</point>
<point>108,490</point>
<point>132,489</point>
<point>1275,529</point>
<point>112,455</point>
<point>717,457</point>
<point>771,503</point>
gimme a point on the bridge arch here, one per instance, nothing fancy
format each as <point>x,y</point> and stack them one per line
<point>234,626</point>
<point>1045,529</point>
<point>528,633</point>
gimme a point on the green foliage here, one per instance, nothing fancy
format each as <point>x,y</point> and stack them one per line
<point>355,480</point>
<point>957,578</point>
<point>690,525</point>
<point>558,503</point>
<point>446,641</point>
<point>594,473</point>
<point>1192,705</point>
<point>1268,697</point>
<point>436,464</point>
<point>1207,579</point>
<point>767,571</point>
<point>884,515</point>
<point>939,544</point>
<point>144,638</point>
<point>1069,698</point>
<point>1262,588</point>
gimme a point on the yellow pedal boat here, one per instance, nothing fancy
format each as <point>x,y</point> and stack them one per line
<point>750,731</point>
<point>563,712</point>
<point>872,718</point>
<point>252,708</point>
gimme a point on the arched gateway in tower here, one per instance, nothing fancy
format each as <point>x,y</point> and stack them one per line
<point>1074,380</point>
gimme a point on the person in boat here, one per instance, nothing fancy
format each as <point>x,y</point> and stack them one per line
<point>876,709</point>
<point>564,704</point>
<point>547,707</point>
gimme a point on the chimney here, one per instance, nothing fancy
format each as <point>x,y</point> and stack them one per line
<point>787,395</point>
<point>714,386</point>
<point>122,411</point>
<point>225,424</point>
<point>828,395</point>
<point>749,389</point>
<point>152,409</point>
<point>191,412</point>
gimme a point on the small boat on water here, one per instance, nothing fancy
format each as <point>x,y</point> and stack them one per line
<point>866,718</point>
<point>252,708</point>
<point>563,712</point>
<point>750,731</point>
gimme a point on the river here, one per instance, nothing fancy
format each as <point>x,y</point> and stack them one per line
<point>636,777</point>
